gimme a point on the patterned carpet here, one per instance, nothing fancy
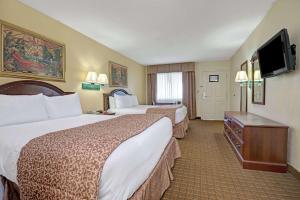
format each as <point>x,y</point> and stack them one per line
<point>209,169</point>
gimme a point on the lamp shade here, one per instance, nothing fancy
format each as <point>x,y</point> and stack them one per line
<point>241,76</point>
<point>102,79</point>
<point>91,77</point>
<point>257,75</point>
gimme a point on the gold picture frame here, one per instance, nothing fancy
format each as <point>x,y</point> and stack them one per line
<point>258,83</point>
<point>118,75</point>
<point>244,90</point>
<point>29,55</point>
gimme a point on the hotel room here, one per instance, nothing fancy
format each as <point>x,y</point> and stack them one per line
<point>148,100</point>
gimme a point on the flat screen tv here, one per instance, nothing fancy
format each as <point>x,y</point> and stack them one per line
<point>277,56</point>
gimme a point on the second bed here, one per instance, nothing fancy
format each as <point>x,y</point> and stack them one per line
<point>180,118</point>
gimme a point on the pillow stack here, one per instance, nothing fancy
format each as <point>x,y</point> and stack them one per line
<point>18,109</point>
<point>134,100</point>
<point>125,101</point>
<point>112,103</point>
<point>63,106</point>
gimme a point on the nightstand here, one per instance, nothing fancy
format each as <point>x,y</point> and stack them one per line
<point>107,113</point>
<point>100,112</point>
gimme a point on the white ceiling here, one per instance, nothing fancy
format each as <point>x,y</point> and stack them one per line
<point>161,31</point>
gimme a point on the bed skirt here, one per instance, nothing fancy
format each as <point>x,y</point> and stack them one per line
<point>153,188</point>
<point>10,190</point>
<point>160,178</point>
<point>180,129</point>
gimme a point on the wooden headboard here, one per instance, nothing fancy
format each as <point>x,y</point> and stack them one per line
<point>112,93</point>
<point>30,87</point>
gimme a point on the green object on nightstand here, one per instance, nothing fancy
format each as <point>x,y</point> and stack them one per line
<point>91,86</point>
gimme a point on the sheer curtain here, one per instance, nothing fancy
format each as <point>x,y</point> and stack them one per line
<point>169,87</point>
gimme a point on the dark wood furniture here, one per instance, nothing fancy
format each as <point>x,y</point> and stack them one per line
<point>163,104</point>
<point>112,93</point>
<point>30,87</point>
<point>259,143</point>
<point>100,112</point>
<point>107,113</point>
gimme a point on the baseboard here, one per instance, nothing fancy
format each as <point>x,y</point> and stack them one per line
<point>294,171</point>
<point>213,120</point>
<point>265,166</point>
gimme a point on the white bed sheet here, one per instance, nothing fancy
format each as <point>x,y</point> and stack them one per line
<point>141,109</point>
<point>124,171</point>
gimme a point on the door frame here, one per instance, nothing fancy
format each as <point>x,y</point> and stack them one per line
<point>201,85</point>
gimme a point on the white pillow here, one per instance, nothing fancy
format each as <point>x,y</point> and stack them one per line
<point>112,103</point>
<point>63,106</point>
<point>17,109</point>
<point>134,100</point>
<point>123,101</point>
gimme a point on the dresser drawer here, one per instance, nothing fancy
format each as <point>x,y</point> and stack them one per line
<point>228,121</point>
<point>234,126</point>
<point>238,130</point>
<point>226,130</point>
<point>235,141</point>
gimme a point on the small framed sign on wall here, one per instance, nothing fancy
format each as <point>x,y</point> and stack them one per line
<point>213,78</point>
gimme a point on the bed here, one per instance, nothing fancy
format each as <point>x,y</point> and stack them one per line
<point>146,176</point>
<point>181,120</point>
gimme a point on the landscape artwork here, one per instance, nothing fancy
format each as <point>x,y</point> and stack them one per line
<point>118,75</point>
<point>25,54</point>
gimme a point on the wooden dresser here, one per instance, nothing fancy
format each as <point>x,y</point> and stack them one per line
<point>259,143</point>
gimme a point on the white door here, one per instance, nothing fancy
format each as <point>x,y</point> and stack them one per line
<point>214,96</point>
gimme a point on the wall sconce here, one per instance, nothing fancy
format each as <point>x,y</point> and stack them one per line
<point>242,78</point>
<point>102,79</point>
<point>257,77</point>
<point>94,82</point>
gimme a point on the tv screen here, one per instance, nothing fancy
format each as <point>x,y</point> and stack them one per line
<point>275,56</point>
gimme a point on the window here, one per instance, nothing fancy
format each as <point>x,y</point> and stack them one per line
<point>169,87</point>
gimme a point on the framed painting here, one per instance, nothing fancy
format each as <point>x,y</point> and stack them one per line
<point>118,75</point>
<point>213,78</point>
<point>25,54</point>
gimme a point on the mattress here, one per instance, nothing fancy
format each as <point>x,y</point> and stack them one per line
<point>125,169</point>
<point>141,109</point>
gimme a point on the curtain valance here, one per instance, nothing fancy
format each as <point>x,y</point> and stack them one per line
<point>165,68</point>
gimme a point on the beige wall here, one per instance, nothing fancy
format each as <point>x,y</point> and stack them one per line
<point>282,92</point>
<point>83,53</point>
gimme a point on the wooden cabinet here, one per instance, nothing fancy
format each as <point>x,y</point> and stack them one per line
<point>259,143</point>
